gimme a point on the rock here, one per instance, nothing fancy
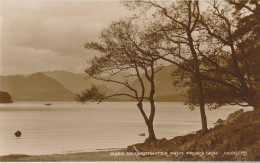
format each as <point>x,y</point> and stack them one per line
<point>142,134</point>
<point>163,140</point>
<point>18,133</point>
<point>233,116</point>
<point>136,150</point>
<point>153,143</point>
<point>160,142</point>
<point>219,121</point>
<point>130,148</point>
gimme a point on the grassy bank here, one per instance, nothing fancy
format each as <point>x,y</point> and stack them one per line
<point>235,139</point>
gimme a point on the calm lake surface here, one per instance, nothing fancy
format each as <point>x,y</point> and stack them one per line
<point>67,127</point>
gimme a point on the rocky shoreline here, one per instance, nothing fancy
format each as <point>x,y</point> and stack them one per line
<point>235,139</point>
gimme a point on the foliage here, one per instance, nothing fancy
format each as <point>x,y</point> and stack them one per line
<point>233,40</point>
<point>92,94</point>
<point>217,47</point>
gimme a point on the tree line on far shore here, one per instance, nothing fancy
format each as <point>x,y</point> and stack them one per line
<point>213,44</point>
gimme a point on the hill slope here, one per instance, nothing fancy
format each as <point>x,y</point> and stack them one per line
<point>61,85</point>
<point>164,89</point>
<point>78,82</point>
<point>36,87</point>
<point>74,82</point>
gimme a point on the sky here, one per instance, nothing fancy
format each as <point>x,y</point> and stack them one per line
<point>48,35</point>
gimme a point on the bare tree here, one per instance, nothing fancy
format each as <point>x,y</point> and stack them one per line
<point>125,47</point>
<point>178,23</point>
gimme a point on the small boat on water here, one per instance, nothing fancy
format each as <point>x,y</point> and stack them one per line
<point>142,134</point>
<point>48,104</point>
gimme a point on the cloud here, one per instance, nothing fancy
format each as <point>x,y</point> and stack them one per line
<point>52,31</point>
<point>29,60</point>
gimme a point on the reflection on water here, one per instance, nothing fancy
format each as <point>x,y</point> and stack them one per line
<point>72,127</point>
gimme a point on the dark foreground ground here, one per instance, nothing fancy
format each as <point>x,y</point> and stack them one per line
<point>235,139</point>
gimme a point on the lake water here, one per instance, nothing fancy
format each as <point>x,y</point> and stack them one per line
<point>67,127</point>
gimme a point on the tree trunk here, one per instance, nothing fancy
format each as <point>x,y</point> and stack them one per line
<point>199,83</point>
<point>257,107</point>
<point>256,104</point>
<point>202,106</point>
<point>149,124</point>
<point>151,136</point>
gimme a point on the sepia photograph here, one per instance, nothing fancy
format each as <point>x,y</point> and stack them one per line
<point>129,80</point>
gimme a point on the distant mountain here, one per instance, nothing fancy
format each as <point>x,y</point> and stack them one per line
<point>74,82</point>
<point>62,85</point>
<point>35,87</point>
<point>164,89</point>
<point>78,82</point>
